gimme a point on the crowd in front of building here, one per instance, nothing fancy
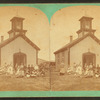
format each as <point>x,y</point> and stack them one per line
<point>88,70</point>
<point>80,56</point>
<point>23,71</point>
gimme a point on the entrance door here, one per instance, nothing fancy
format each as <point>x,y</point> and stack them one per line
<point>19,58</point>
<point>89,58</point>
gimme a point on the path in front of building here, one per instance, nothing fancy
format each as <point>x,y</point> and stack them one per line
<point>73,83</point>
<point>11,83</point>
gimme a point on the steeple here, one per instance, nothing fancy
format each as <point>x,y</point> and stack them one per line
<point>85,26</point>
<point>17,27</point>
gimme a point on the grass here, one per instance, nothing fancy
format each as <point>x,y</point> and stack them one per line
<point>74,83</point>
<point>11,83</point>
<point>58,83</point>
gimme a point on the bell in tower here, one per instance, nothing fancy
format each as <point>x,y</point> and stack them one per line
<point>17,27</point>
<point>85,26</point>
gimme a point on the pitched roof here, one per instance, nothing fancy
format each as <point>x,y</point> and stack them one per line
<point>85,17</point>
<point>20,18</point>
<point>19,35</point>
<point>69,45</point>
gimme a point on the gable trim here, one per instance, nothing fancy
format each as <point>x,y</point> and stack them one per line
<point>76,41</point>
<point>19,35</point>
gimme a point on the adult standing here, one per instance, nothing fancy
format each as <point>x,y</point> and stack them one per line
<point>10,69</point>
<point>62,69</point>
<point>79,69</point>
<point>22,70</point>
<point>36,68</point>
<point>90,70</point>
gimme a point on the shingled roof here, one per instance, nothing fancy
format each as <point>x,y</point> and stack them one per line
<point>19,35</point>
<point>69,45</point>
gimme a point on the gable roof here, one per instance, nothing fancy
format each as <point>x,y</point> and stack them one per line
<point>85,17</point>
<point>19,35</point>
<point>69,45</point>
<point>14,18</point>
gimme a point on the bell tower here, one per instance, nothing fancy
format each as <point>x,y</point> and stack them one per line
<point>17,27</point>
<point>85,26</point>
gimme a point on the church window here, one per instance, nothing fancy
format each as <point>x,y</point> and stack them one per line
<point>63,56</point>
<point>69,57</point>
<point>58,58</point>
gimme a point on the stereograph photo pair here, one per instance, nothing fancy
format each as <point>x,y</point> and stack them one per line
<point>50,47</point>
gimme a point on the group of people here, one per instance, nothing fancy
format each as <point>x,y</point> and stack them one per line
<point>92,70</point>
<point>6,69</point>
<point>76,69</point>
<point>88,70</point>
<point>22,70</point>
<point>28,71</point>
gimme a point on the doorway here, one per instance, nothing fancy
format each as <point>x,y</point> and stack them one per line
<point>89,58</point>
<point>18,59</point>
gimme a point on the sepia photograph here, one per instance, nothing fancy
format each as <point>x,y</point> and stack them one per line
<point>24,49</point>
<point>75,47</point>
<point>50,48</point>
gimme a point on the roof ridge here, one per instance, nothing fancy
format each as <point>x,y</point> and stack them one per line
<point>75,41</point>
<point>23,36</point>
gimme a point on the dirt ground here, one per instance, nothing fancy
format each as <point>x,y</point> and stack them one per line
<point>11,83</point>
<point>58,83</point>
<point>74,83</point>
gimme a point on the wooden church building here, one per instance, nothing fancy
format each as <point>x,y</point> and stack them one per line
<point>83,50</point>
<point>18,48</point>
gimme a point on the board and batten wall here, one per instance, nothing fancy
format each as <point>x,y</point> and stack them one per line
<point>61,56</point>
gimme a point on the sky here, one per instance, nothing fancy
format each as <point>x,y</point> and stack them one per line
<point>65,22</point>
<point>36,23</point>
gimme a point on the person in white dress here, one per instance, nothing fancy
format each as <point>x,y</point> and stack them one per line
<point>86,70</point>
<point>10,69</point>
<point>62,69</point>
<point>22,69</point>
<point>36,68</point>
<point>17,71</point>
<point>79,69</point>
<point>90,69</point>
